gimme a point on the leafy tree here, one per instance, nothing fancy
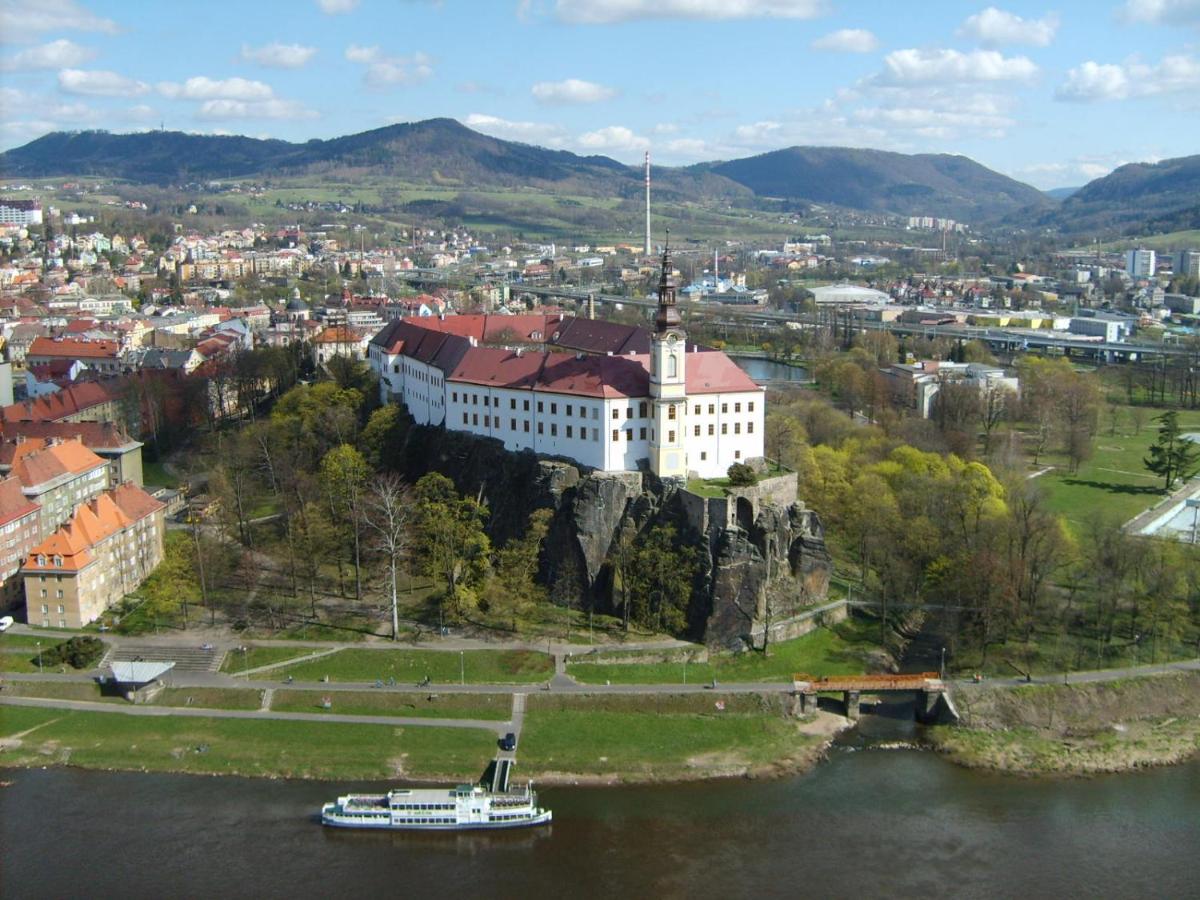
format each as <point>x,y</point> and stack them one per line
<point>662,581</point>
<point>450,541</point>
<point>1172,456</point>
<point>343,476</point>
<point>383,435</point>
<point>512,589</point>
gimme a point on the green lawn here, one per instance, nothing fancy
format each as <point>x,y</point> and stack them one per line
<point>708,487</point>
<point>243,746</point>
<point>210,698</point>
<point>494,707</point>
<point>840,650</point>
<point>155,476</point>
<point>653,745</point>
<point>479,666</point>
<point>261,655</point>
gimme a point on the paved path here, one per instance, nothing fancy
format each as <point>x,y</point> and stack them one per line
<point>1093,677</point>
<point>497,728</point>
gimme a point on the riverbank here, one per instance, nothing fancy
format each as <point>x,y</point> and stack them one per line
<point>567,740</point>
<point>1076,729</point>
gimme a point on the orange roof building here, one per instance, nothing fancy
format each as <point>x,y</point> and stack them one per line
<point>106,549</point>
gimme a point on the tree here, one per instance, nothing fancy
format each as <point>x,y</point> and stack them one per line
<point>1172,456</point>
<point>512,589</point>
<point>344,475</point>
<point>662,581</point>
<point>450,541</point>
<point>742,475</point>
<point>387,513</point>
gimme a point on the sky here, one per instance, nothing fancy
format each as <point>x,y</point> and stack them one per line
<point>1054,94</point>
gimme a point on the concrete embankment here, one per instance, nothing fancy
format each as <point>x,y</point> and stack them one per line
<point>1075,729</point>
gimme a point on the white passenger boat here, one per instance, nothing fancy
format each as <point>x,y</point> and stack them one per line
<point>468,806</point>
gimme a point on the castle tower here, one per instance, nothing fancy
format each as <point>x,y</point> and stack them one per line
<point>668,382</point>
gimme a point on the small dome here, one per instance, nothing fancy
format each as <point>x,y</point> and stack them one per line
<point>296,304</point>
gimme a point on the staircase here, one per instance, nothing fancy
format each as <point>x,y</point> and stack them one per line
<point>186,659</point>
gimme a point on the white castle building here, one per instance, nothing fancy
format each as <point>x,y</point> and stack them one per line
<point>678,410</point>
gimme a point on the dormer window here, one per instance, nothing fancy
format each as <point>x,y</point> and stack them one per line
<point>41,560</point>
<point>58,562</point>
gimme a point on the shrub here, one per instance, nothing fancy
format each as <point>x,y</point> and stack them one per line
<point>78,653</point>
<point>742,475</point>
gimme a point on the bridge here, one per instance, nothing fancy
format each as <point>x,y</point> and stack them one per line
<point>931,691</point>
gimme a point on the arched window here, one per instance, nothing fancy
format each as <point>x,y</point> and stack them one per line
<point>672,366</point>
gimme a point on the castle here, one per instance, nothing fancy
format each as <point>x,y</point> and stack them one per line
<point>679,410</point>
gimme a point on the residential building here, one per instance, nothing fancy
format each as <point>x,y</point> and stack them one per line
<point>1187,263</point>
<point>20,518</point>
<point>108,547</point>
<point>106,439</point>
<point>1140,263</point>
<point>22,213</point>
<point>103,356</point>
<point>917,385</point>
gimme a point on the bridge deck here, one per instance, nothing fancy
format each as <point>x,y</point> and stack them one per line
<point>923,681</point>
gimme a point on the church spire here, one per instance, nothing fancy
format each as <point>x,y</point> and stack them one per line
<point>668,313</point>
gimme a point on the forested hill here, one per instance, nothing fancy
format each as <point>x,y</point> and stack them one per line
<point>1136,198</point>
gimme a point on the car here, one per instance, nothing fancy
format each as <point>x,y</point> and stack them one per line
<point>508,742</point>
<point>6,622</point>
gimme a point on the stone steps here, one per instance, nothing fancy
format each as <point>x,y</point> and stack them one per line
<point>186,659</point>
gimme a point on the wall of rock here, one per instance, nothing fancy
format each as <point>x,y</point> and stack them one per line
<point>763,559</point>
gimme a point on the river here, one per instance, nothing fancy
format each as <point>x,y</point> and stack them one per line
<point>768,371</point>
<point>866,823</point>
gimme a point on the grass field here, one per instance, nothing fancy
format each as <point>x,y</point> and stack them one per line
<point>494,707</point>
<point>840,650</point>
<point>154,475</point>
<point>240,746</point>
<point>256,656</point>
<point>578,738</point>
<point>1173,240</point>
<point>411,666</point>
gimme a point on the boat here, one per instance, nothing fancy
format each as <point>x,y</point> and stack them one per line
<point>491,803</point>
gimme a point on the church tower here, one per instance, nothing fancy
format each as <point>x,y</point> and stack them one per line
<point>668,382</point>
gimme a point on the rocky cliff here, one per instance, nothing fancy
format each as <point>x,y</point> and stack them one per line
<point>762,554</point>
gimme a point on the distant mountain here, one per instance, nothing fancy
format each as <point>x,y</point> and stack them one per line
<point>437,151</point>
<point>922,184</point>
<point>446,153</point>
<point>1060,193</point>
<point>1139,198</point>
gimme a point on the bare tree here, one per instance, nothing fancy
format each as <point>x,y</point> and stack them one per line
<point>386,512</point>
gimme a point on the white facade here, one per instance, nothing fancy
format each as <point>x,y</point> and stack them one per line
<point>20,212</point>
<point>1140,263</point>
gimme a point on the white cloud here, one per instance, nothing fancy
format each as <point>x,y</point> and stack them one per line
<point>848,40</point>
<point>1092,81</point>
<point>54,55</point>
<point>141,113</point>
<point>273,108</point>
<point>337,7</point>
<point>612,139</point>
<point>941,66</point>
<point>997,28</point>
<point>529,132</point>
<point>21,16</point>
<point>1163,12</point>
<point>573,90</point>
<point>279,56</point>
<point>99,83</point>
<point>203,88</point>
<point>388,71</point>
<point>604,12</point>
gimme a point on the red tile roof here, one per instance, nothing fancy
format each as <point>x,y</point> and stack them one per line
<point>71,400</point>
<point>49,462</point>
<point>70,348</point>
<point>92,522</point>
<point>14,504</point>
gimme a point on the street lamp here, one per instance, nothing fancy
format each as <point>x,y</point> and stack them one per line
<point>685,659</point>
<point>462,667</point>
<point>39,649</point>
<point>942,669</point>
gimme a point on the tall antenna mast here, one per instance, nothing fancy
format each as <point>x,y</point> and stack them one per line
<point>647,248</point>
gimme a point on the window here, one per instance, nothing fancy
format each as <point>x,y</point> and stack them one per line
<point>629,434</point>
<point>554,409</point>
<point>712,408</point>
<point>582,412</point>
<point>569,430</point>
<point>487,422</point>
<point>57,561</point>
<point>525,405</point>
<point>724,408</point>
<point>541,428</point>
<point>595,413</point>
<point>396,368</point>
<point>696,410</point>
<point>737,454</point>
<point>629,412</point>
<point>512,403</point>
<point>696,431</point>
<point>641,434</point>
<point>45,609</point>
<point>703,456</point>
<point>570,410</point>
<point>750,406</point>
<point>671,412</point>
<point>58,596</point>
<point>553,430</point>
<point>513,424</point>
<point>616,414</point>
<point>474,418</point>
<point>464,418</point>
<point>737,427</point>
<point>711,430</point>
<point>527,426</point>
<point>724,428</point>
<point>670,437</point>
<point>749,428</point>
<point>616,437</point>
<point>540,407</point>
<point>486,400</point>
<point>737,407</point>
<point>642,410</point>
<point>61,610</point>
<point>43,594</point>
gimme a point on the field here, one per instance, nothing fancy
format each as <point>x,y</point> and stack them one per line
<point>239,746</point>
<point>1174,240</point>
<point>261,655</point>
<point>841,650</point>
<point>411,666</point>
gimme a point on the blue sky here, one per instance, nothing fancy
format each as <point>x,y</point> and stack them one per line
<point>1054,94</point>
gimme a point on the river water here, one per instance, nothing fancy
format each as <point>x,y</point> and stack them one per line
<point>766,370</point>
<point>866,823</point>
